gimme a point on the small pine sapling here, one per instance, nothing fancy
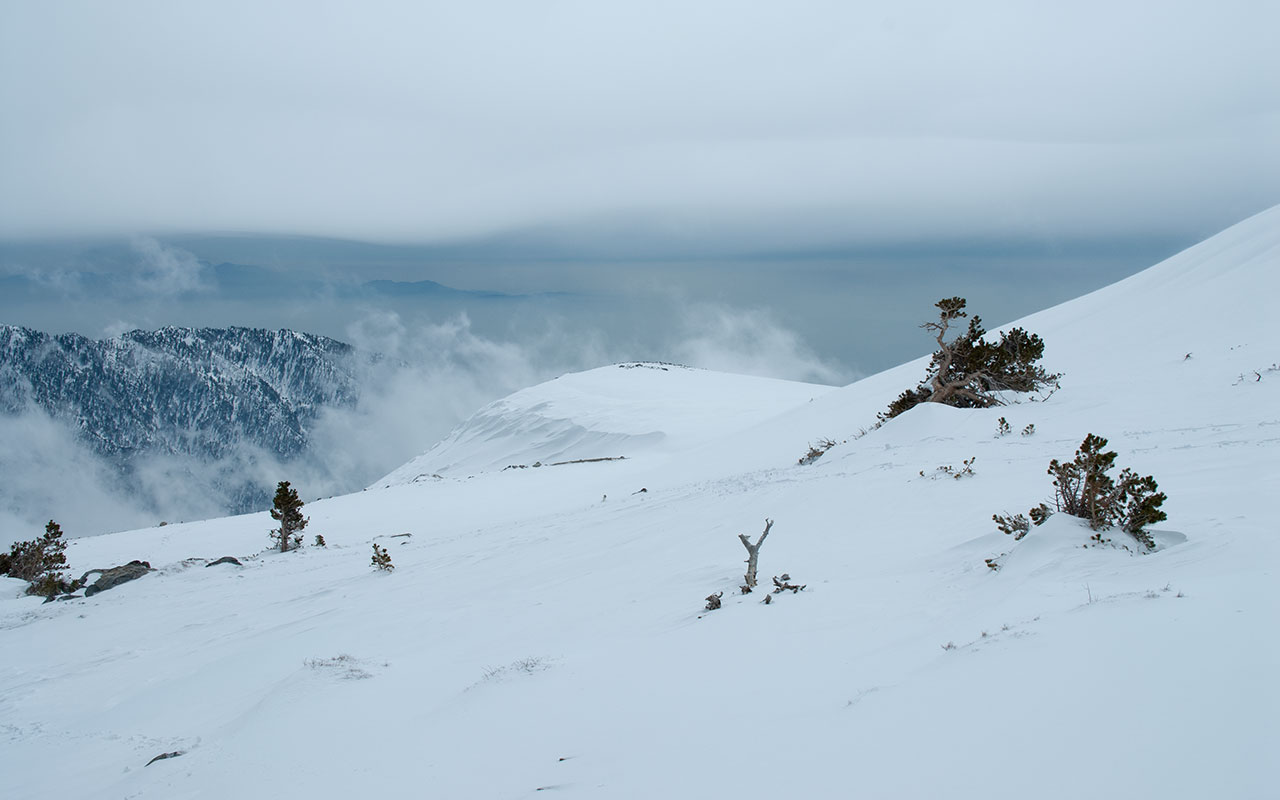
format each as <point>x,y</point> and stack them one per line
<point>287,510</point>
<point>320,540</point>
<point>382,559</point>
<point>1002,427</point>
<point>1030,430</point>
<point>964,471</point>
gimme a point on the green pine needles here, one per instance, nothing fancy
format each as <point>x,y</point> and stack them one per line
<point>968,371</point>
<point>287,510</point>
<point>40,562</point>
<point>382,559</point>
<point>1082,488</point>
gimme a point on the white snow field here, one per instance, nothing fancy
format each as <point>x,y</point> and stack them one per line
<point>544,629</point>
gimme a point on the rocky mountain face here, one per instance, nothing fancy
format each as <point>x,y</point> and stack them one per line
<point>187,392</point>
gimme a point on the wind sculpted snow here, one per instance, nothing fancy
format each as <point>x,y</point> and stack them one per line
<point>615,411</point>
<point>544,629</point>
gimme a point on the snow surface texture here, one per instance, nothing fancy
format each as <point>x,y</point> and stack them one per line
<point>623,409</point>
<point>543,629</point>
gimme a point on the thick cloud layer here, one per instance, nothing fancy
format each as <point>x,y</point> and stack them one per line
<point>712,126</point>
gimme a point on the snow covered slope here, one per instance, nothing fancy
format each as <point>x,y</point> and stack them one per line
<point>544,628</point>
<point>608,412</point>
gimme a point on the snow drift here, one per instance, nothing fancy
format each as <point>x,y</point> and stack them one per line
<point>608,412</point>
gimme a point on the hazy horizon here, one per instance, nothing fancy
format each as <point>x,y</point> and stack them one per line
<point>855,310</point>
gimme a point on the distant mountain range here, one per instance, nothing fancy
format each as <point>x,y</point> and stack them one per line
<point>192,392</point>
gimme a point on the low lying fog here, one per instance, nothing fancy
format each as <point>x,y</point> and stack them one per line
<point>433,377</point>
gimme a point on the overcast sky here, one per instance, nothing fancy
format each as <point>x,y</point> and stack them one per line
<point>736,125</point>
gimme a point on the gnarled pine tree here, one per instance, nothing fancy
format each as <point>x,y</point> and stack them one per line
<point>968,371</point>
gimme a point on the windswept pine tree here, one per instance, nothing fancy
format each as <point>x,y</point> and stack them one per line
<point>40,562</point>
<point>32,560</point>
<point>968,371</point>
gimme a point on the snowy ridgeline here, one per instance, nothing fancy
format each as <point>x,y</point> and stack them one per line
<point>544,628</point>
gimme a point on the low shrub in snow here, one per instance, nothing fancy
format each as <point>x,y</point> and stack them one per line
<point>344,666</point>
<point>524,666</point>
<point>1016,525</point>
<point>1082,488</point>
<point>816,450</point>
<point>946,470</point>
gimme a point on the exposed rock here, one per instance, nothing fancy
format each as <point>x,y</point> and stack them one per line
<point>114,576</point>
<point>225,560</point>
<point>163,756</point>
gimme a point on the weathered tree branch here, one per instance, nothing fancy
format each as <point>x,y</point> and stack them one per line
<point>783,583</point>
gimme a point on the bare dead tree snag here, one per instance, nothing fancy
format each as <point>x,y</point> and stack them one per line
<point>753,553</point>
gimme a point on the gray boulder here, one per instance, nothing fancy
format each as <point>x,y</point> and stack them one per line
<point>114,576</point>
